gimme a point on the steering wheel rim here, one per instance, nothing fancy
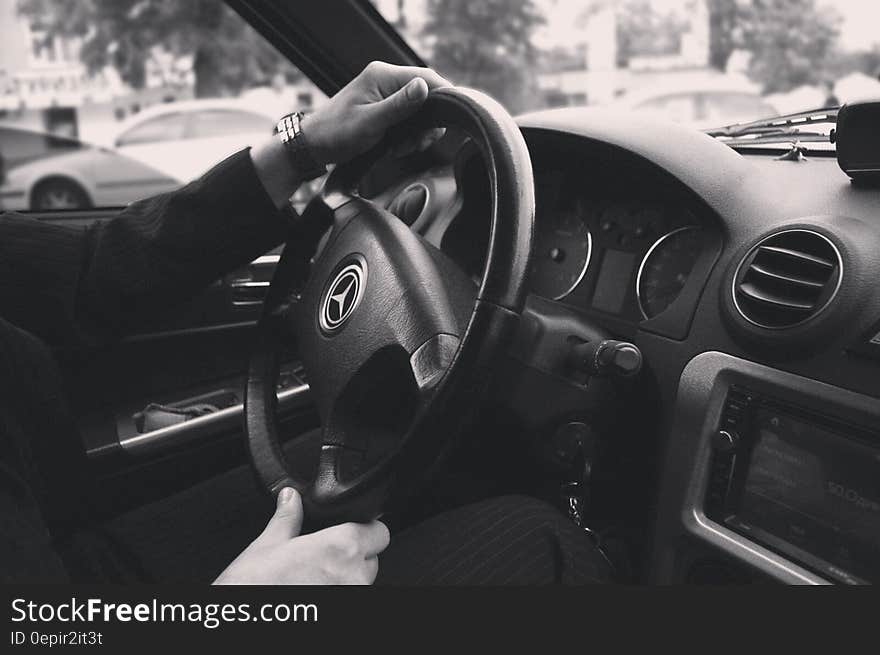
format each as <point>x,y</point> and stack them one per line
<point>359,312</point>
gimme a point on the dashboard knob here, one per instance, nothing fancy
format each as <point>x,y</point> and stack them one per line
<point>607,357</point>
<point>725,441</point>
<point>621,357</point>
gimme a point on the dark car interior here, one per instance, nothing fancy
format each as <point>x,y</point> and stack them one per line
<point>694,376</point>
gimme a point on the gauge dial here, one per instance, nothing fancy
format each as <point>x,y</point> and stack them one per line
<point>563,245</point>
<point>665,269</point>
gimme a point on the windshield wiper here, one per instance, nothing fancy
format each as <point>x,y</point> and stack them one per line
<point>790,135</point>
<point>779,128</point>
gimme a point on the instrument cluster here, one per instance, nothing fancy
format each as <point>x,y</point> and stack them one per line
<point>626,254</point>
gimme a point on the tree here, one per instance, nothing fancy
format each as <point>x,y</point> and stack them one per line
<point>487,44</point>
<point>843,63</point>
<point>227,54</point>
<point>644,30</point>
<point>790,42</point>
<point>724,18</point>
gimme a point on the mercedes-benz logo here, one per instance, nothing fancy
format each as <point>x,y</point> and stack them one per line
<point>342,297</point>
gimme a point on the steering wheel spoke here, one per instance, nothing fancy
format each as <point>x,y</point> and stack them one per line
<point>431,360</point>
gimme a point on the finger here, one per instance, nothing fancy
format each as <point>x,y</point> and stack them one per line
<point>372,537</point>
<point>400,105</point>
<point>371,569</point>
<point>390,78</point>
<point>286,523</point>
<point>432,78</point>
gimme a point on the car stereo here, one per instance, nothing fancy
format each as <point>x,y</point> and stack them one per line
<point>800,483</point>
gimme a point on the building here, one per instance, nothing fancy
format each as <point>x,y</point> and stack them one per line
<point>602,79</point>
<point>42,82</point>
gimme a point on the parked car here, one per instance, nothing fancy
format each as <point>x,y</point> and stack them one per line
<point>184,139</point>
<point>44,172</point>
<point>157,150</point>
<point>700,100</point>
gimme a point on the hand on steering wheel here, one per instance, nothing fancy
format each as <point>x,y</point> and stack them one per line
<point>356,118</point>
<point>343,554</point>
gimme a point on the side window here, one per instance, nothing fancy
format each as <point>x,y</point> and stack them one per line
<point>164,103</point>
<point>223,122</point>
<point>170,127</point>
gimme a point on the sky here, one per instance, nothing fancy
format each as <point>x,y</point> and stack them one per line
<point>861,18</point>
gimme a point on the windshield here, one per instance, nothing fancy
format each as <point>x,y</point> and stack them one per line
<point>701,62</point>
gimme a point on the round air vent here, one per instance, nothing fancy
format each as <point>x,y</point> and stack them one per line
<point>409,204</point>
<point>787,279</point>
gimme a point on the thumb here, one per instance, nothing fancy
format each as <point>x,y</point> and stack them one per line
<point>401,104</point>
<point>286,523</point>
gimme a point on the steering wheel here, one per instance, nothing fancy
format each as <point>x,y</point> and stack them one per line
<point>398,342</point>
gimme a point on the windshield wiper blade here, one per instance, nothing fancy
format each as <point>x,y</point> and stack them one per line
<point>775,136</point>
<point>778,125</point>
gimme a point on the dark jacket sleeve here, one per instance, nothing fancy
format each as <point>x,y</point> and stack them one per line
<point>72,285</point>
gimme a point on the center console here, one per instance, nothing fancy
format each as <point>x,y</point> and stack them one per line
<point>774,473</point>
<point>804,484</point>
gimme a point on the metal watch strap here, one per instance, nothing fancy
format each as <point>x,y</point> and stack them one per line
<point>289,130</point>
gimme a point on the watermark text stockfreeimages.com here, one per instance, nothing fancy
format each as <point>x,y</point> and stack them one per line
<point>209,615</point>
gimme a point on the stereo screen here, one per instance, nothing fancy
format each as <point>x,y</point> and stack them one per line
<point>816,490</point>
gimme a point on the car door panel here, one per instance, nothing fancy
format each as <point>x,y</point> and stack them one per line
<point>194,356</point>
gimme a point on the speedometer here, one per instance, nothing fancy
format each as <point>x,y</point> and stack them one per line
<point>665,269</point>
<point>563,245</point>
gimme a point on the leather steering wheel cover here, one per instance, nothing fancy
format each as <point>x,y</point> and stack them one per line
<point>499,302</point>
<point>260,404</point>
<point>512,189</point>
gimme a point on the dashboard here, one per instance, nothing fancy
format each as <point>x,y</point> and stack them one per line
<point>748,282</point>
<point>624,244</point>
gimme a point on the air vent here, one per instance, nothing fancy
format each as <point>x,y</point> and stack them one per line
<point>787,279</point>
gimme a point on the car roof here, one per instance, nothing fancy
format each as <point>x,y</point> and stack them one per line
<point>189,106</point>
<point>689,83</point>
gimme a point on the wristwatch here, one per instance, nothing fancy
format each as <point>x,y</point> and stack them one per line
<point>289,130</point>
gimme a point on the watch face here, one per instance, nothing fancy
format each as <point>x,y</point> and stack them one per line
<point>289,127</point>
<point>291,134</point>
